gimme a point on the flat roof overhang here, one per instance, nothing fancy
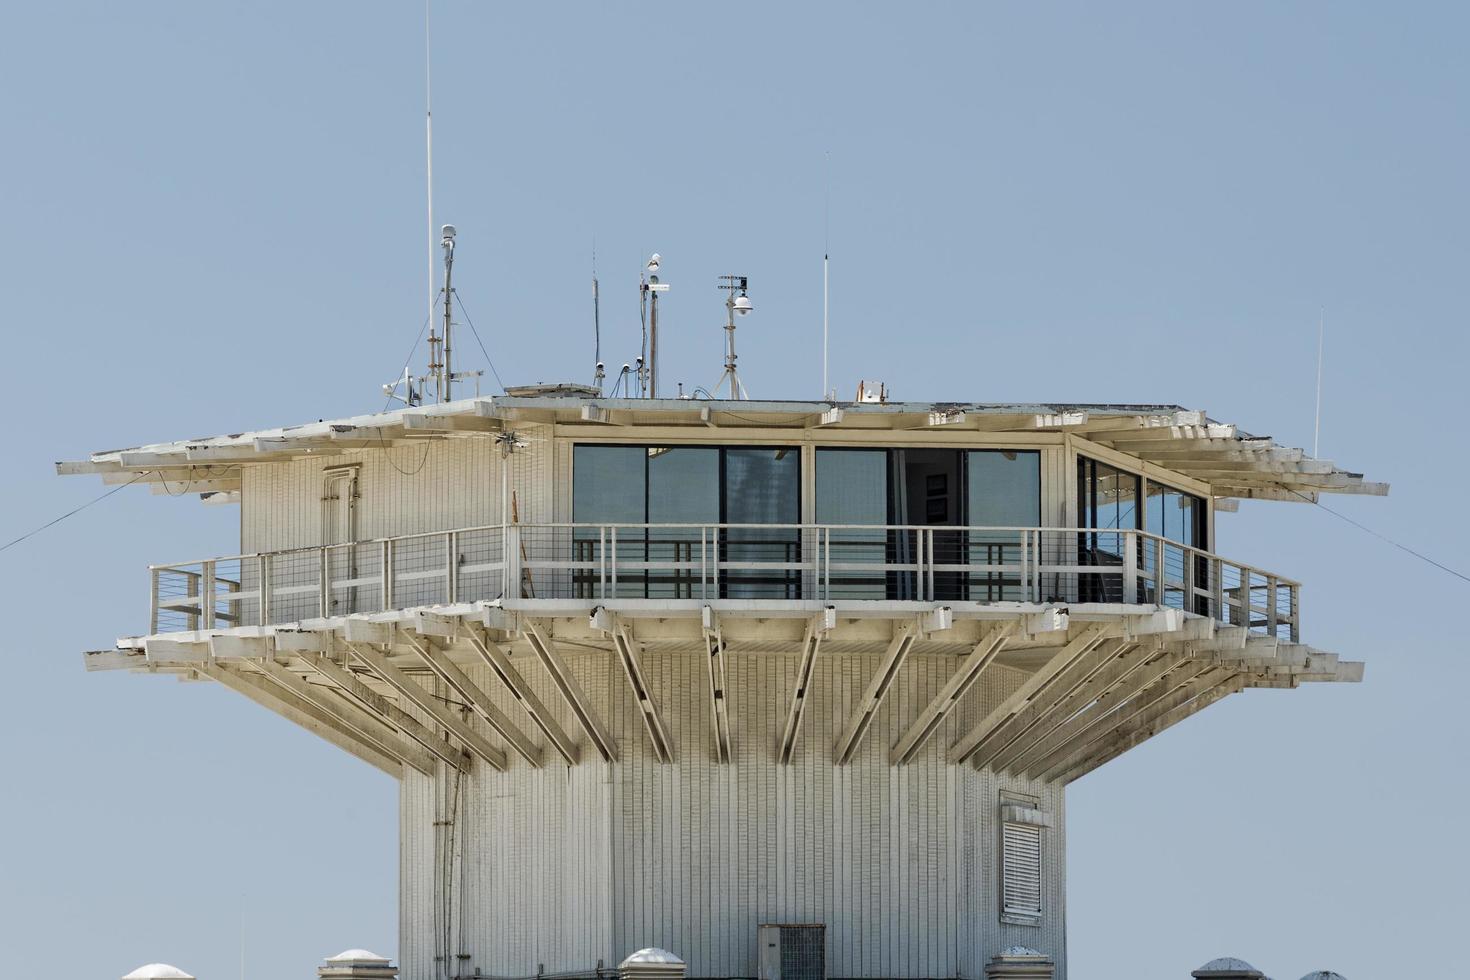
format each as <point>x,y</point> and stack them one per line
<point>1234,463</point>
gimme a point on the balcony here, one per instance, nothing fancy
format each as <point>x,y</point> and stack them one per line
<point>673,565</point>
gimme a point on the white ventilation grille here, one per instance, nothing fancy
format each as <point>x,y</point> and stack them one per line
<point>1020,889</point>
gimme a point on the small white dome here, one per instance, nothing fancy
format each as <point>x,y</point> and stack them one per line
<point>158,971</point>
<point>652,955</point>
<point>357,956</point>
<point>1227,964</point>
<point>1323,975</point>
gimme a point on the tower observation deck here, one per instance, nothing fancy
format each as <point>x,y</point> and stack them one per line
<point>658,672</point>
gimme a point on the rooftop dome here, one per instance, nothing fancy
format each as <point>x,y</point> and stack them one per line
<point>651,955</point>
<point>158,971</point>
<point>357,956</point>
<point>1227,966</point>
<point>1323,975</point>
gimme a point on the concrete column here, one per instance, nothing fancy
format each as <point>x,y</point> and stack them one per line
<point>357,964</point>
<point>1228,968</point>
<point>1020,963</point>
<point>651,964</point>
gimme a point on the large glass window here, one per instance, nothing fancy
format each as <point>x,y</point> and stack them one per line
<point>700,486</point>
<point>683,488</point>
<point>937,501</point>
<point>763,488</point>
<point>1177,517</point>
<point>1003,491</point>
<point>1107,501</point>
<point>852,489</point>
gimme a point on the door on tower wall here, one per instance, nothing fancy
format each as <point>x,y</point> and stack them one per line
<point>345,566</point>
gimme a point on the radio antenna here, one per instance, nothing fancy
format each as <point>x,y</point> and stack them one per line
<point>598,373</point>
<point>1317,425</point>
<point>434,340</point>
<point>826,255</point>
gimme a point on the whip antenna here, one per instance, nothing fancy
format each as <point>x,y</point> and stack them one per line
<point>1317,425</point>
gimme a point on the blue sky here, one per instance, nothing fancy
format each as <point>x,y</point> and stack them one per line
<point>214,221</point>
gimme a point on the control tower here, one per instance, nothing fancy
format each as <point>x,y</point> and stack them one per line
<point>670,672</point>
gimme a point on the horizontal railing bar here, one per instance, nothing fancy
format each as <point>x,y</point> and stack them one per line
<point>1173,547</point>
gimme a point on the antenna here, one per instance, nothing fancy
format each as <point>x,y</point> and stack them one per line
<point>447,243</point>
<point>1317,425</point>
<point>598,373</point>
<point>734,304</point>
<point>429,185</point>
<point>826,254</point>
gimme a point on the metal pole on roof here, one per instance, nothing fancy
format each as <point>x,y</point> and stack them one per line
<point>448,244</point>
<point>1317,425</point>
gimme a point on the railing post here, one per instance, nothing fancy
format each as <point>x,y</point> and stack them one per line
<point>451,568</point>
<point>602,563</point>
<point>385,571</point>
<point>265,590</point>
<point>1243,608</point>
<point>1189,559</point>
<point>613,565</point>
<point>1158,546</point>
<point>1296,612</point>
<point>1273,592</point>
<point>827,565</point>
<point>206,597</point>
<point>1217,590</point>
<point>153,576</point>
<point>928,564</point>
<point>1130,568</point>
<point>324,584</point>
<point>1037,559</point>
<point>191,584</point>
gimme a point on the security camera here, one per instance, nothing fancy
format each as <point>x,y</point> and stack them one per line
<point>743,305</point>
<point>653,262</point>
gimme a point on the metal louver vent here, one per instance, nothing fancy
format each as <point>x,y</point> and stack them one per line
<point>793,952</point>
<point>1020,899</point>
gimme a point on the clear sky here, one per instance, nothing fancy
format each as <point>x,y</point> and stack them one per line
<point>213,220</point>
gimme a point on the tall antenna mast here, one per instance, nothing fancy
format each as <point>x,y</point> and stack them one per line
<point>826,254</point>
<point>1317,425</point>
<point>434,365</point>
<point>597,374</point>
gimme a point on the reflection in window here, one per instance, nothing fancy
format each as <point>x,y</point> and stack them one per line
<point>1004,491</point>
<point>952,495</point>
<point>694,485</point>
<point>852,488</point>
<point>1178,517</point>
<point>1107,500</point>
<point>683,488</point>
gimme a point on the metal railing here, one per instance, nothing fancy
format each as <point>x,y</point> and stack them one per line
<point>824,562</point>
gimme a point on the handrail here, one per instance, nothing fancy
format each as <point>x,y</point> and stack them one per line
<point>1137,533</point>
<point>571,559</point>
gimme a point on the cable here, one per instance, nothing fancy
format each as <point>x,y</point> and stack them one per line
<point>52,523</point>
<point>1384,538</point>
<point>478,340</point>
<point>388,453</point>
